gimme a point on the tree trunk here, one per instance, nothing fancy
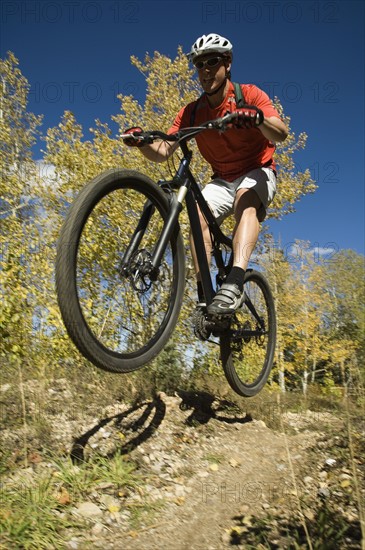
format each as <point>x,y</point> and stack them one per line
<point>314,365</point>
<point>281,368</point>
<point>282,381</point>
<point>305,382</point>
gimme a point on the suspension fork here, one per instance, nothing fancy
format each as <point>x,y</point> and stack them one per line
<point>168,229</point>
<point>176,205</point>
<point>169,226</point>
<point>137,236</point>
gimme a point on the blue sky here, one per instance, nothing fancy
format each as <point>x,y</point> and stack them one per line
<point>76,56</point>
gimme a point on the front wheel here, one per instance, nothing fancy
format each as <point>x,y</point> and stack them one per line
<point>118,311</point>
<point>248,345</point>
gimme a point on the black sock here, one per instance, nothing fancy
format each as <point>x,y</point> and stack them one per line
<point>236,276</point>
<point>199,288</point>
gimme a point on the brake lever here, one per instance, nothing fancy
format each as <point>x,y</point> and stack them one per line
<point>147,137</point>
<point>144,136</point>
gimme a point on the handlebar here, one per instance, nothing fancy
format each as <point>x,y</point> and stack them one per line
<point>185,134</point>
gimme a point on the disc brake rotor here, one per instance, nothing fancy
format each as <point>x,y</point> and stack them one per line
<point>139,269</point>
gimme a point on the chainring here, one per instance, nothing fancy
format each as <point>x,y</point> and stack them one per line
<point>202,328</point>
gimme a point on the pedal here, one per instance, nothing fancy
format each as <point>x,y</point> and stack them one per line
<point>220,323</point>
<point>221,317</point>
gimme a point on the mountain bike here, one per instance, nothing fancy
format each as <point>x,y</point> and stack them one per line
<point>120,273</point>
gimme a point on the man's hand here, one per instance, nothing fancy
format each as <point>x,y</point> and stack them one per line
<point>134,141</point>
<point>249,116</point>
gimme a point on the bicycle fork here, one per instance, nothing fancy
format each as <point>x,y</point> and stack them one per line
<point>151,269</point>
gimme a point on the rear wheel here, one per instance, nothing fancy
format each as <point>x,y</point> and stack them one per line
<point>117,310</point>
<point>248,345</point>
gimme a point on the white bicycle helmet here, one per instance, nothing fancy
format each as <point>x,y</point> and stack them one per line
<point>210,43</point>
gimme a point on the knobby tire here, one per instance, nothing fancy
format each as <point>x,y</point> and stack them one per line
<point>247,361</point>
<point>136,326</point>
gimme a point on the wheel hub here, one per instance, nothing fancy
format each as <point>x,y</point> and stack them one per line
<point>140,270</point>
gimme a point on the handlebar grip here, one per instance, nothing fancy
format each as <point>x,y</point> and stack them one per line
<point>150,136</point>
<point>157,134</point>
<point>220,123</point>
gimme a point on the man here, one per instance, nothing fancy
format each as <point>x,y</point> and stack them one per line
<point>244,177</point>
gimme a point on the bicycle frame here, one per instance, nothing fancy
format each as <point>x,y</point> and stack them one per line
<point>188,190</point>
<point>194,198</point>
<point>144,285</point>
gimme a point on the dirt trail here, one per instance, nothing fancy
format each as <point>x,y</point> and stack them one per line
<point>211,476</point>
<point>209,465</point>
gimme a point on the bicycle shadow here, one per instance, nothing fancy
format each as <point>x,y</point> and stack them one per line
<point>205,406</point>
<point>77,453</point>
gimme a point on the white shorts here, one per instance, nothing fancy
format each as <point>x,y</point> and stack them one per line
<point>220,194</point>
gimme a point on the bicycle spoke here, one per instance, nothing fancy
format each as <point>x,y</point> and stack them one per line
<point>123,310</point>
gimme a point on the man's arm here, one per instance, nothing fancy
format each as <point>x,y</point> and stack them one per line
<point>274,129</point>
<point>159,151</point>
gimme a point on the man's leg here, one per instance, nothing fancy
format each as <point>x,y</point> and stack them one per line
<point>220,200</point>
<point>247,227</point>
<point>245,235</point>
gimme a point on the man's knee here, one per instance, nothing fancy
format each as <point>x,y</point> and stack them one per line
<point>247,202</point>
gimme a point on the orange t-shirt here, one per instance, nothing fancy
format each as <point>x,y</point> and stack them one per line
<point>237,150</point>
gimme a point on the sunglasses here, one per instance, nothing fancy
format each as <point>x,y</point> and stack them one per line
<point>211,62</point>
